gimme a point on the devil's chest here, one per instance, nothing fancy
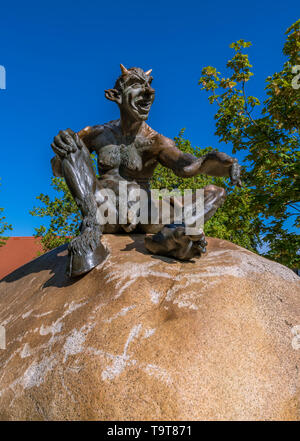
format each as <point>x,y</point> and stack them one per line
<point>125,156</point>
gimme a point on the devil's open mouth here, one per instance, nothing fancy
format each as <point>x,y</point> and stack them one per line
<point>143,105</point>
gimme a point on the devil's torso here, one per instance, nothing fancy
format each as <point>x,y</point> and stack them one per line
<point>135,157</point>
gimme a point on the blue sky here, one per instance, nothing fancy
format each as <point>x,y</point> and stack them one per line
<point>59,57</point>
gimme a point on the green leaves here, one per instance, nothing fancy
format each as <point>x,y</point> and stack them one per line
<point>238,45</point>
<point>283,100</point>
<point>4,226</point>
<point>64,216</point>
<point>291,47</point>
<point>209,78</point>
<point>270,141</point>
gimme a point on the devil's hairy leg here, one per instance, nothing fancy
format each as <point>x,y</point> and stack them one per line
<point>173,241</point>
<point>86,250</point>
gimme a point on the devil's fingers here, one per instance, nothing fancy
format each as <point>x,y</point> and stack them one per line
<point>67,138</point>
<point>78,141</point>
<point>225,159</point>
<point>64,143</point>
<point>58,151</point>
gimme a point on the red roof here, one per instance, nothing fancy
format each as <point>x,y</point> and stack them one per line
<point>16,252</point>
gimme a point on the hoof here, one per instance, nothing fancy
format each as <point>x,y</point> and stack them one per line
<point>79,264</point>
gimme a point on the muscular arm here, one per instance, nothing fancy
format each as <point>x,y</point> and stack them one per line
<point>186,165</point>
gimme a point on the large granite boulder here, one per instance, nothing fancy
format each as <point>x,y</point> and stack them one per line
<point>149,338</point>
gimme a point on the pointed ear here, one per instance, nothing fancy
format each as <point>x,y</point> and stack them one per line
<point>113,95</point>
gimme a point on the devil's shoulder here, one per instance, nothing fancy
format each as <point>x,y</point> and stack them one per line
<point>100,135</point>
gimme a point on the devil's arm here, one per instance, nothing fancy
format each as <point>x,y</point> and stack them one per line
<point>186,165</point>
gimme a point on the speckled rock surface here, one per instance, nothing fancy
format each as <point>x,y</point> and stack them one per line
<point>148,338</point>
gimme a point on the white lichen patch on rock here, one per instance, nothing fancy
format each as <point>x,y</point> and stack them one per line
<point>74,342</point>
<point>53,329</point>
<point>159,373</point>
<point>36,373</point>
<point>25,351</point>
<point>180,296</point>
<point>121,313</point>
<point>126,274</point>
<point>121,361</point>
<point>43,314</point>
<point>183,301</point>
<point>56,327</point>
<point>155,296</point>
<point>149,332</point>
<point>240,263</point>
<point>27,314</point>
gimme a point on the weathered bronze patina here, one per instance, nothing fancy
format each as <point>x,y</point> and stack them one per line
<point>129,150</point>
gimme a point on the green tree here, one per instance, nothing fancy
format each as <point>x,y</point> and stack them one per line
<point>4,226</point>
<point>63,213</point>
<point>269,135</point>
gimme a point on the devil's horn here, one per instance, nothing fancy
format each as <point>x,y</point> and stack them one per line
<point>124,70</point>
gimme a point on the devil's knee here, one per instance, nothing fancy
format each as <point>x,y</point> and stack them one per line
<point>214,195</point>
<point>221,193</point>
<point>210,188</point>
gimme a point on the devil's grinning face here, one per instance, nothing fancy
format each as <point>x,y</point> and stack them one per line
<point>137,96</point>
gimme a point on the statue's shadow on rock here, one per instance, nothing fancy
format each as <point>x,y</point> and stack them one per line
<point>54,264</point>
<point>54,261</point>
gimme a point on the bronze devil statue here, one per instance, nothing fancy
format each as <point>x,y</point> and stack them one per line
<point>128,151</point>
